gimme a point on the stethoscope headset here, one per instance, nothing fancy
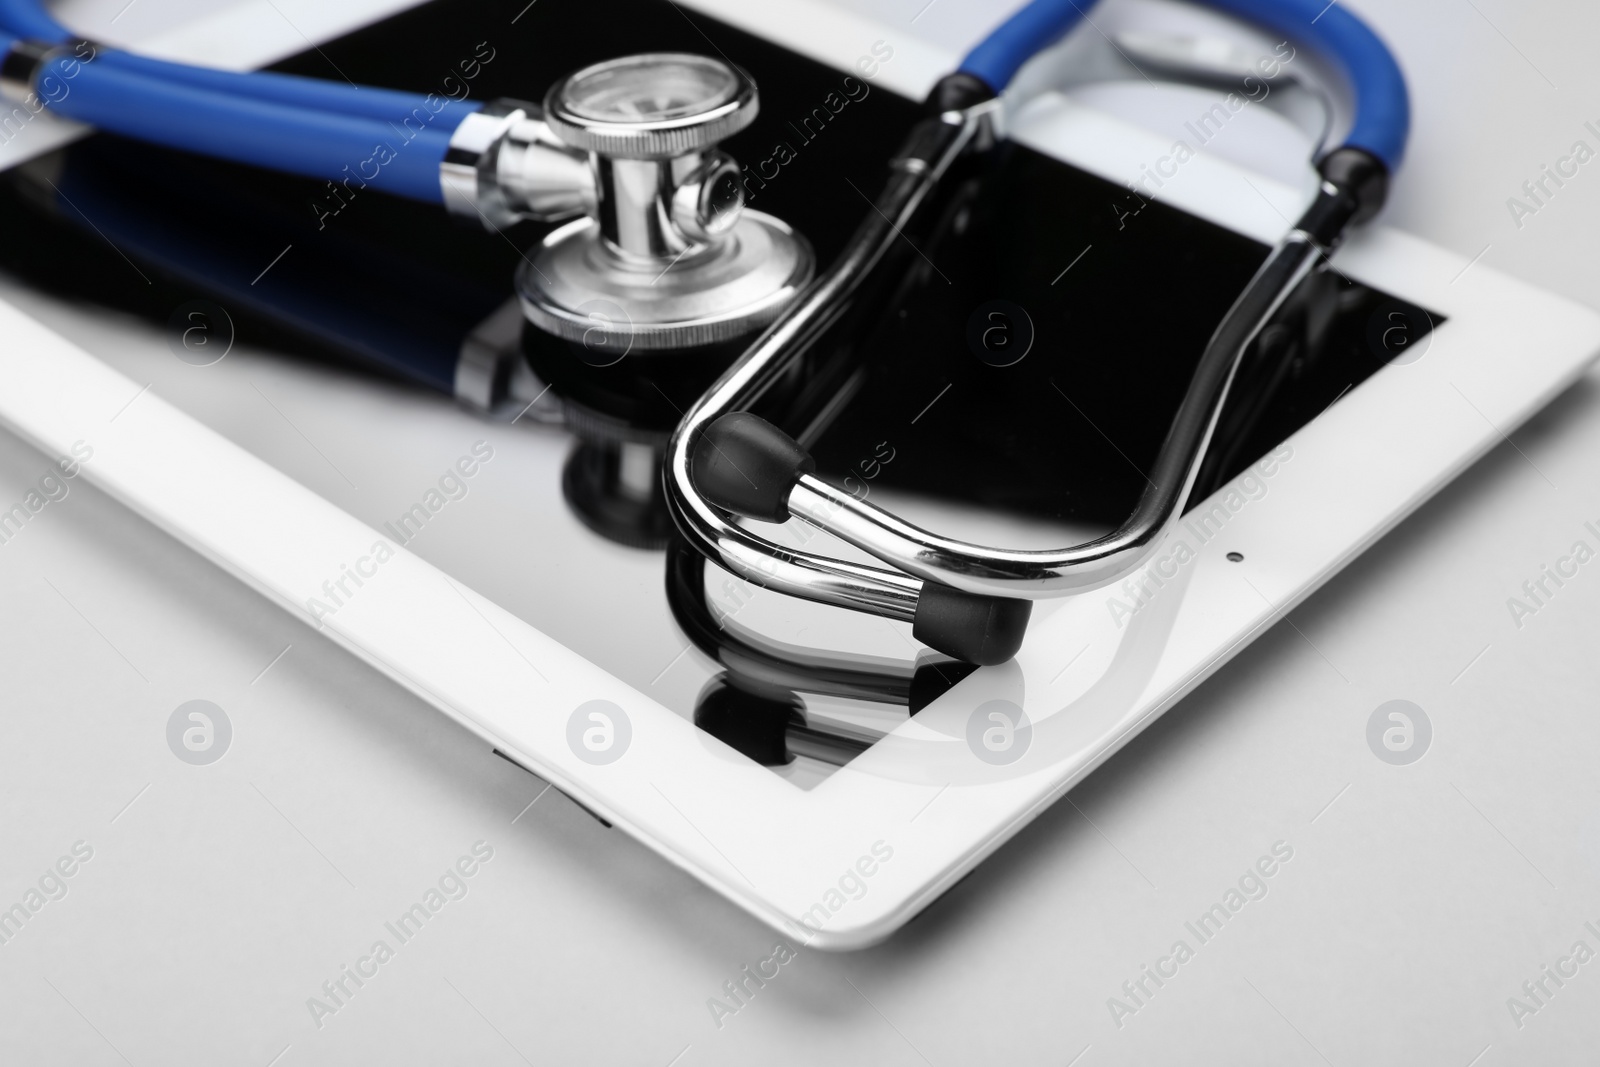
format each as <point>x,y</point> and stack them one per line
<point>658,255</point>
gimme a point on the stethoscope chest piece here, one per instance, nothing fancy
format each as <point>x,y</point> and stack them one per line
<point>669,259</point>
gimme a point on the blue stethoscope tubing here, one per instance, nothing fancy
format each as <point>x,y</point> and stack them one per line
<point>1382,106</point>
<point>305,126</point>
<point>320,129</point>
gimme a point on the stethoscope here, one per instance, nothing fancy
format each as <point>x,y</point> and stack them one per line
<point>970,601</point>
<point>658,254</point>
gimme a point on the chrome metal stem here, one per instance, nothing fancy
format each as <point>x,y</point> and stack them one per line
<point>504,165</point>
<point>635,207</point>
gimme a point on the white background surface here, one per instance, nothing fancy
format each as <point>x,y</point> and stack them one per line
<point>1416,902</point>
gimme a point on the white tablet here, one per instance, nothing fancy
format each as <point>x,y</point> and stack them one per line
<point>857,813</point>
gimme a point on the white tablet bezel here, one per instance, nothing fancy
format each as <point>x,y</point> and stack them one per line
<point>844,864</point>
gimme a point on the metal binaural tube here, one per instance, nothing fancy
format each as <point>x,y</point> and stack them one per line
<point>1035,574</point>
<point>915,173</point>
<point>919,554</point>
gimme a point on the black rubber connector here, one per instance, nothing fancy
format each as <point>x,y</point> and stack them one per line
<point>985,630</point>
<point>957,91</point>
<point>1361,175</point>
<point>744,464</point>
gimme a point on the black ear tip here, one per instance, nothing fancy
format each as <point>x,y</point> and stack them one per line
<point>744,464</point>
<point>986,630</point>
